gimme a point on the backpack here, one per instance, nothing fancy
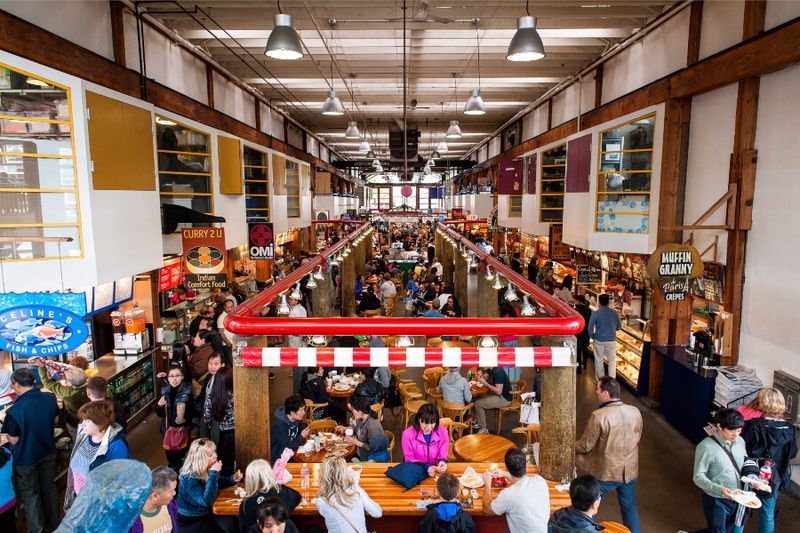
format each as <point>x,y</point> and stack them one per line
<point>392,397</point>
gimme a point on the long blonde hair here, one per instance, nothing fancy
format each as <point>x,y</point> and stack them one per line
<point>196,462</point>
<point>259,477</point>
<point>335,482</point>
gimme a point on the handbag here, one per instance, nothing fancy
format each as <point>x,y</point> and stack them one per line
<point>176,438</point>
<point>409,475</point>
<point>409,304</point>
<point>529,410</point>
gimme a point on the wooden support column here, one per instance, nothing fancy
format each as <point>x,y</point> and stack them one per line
<point>598,86</point>
<point>695,25</point>
<point>251,405</point>
<point>360,255</point>
<point>487,298</point>
<point>118,31</point>
<point>210,84</point>
<point>671,320</point>
<point>557,451</point>
<point>460,283</point>
<point>258,114</point>
<point>549,114</point>
<point>321,302</point>
<point>742,174</point>
<point>348,277</point>
<point>447,258</point>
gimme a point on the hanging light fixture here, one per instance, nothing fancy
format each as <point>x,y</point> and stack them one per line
<point>283,306</point>
<point>475,105</point>
<point>311,283</point>
<point>404,341</point>
<point>284,42</point>
<point>364,146</point>
<point>332,106</point>
<point>454,131</point>
<point>376,163</point>
<point>319,274</point>
<point>352,131</point>
<point>489,274</point>
<point>296,294</point>
<point>442,147</point>
<point>318,341</point>
<point>526,45</point>
<point>335,260</point>
<point>487,341</point>
<point>527,308</point>
<point>431,162</point>
<point>370,154</point>
<point>426,170</point>
<point>511,294</point>
<point>497,285</point>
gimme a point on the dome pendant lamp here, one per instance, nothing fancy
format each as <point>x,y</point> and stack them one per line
<point>454,131</point>
<point>352,131</point>
<point>475,105</point>
<point>332,106</point>
<point>526,45</point>
<point>284,42</point>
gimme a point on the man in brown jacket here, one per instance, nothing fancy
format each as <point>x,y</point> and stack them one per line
<point>609,449</point>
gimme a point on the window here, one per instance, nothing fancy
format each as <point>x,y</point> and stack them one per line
<point>256,185</point>
<point>424,198</point>
<point>515,206</point>
<point>384,197</point>
<point>38,184</point>
<point>292,189</point>
<point>184,166</point>
<point>551,196</point>
<point>623,177</point>
<point>399,200</point>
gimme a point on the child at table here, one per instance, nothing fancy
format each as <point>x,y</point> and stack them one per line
<point>446,516</point>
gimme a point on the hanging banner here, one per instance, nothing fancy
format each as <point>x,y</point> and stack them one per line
<point>42,324</point>
<point>558,250</point>
<point>204,257</point>
<point>261,240</point>
<point>169,275</point>
<point>672,266</point>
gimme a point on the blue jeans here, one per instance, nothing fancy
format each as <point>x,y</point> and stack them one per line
<point>766,515</point>
<point>626,493</point>
<point>720,515</point>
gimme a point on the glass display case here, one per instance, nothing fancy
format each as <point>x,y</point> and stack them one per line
<point>134,387</point>
<point>175,320</point>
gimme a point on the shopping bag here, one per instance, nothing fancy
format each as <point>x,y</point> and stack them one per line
<point>529,409</point>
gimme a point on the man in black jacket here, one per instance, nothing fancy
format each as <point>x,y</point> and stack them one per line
<point>288,429</point>
<point>446,516</point>
<point>584,494</point>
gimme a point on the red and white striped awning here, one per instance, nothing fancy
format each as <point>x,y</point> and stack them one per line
<point>408,357</point>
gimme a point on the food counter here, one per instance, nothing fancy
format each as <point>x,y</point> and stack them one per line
<point>633,359</point>
<point>401,508</point>
<point>132,381</point>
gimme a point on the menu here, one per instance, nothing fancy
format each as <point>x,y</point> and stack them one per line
<point>588,275</point>
<point>169,275</point>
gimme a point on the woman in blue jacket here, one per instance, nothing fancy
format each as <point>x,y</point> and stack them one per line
<point>198,487</point>
<point>99,440</point>
<point>8,499</point>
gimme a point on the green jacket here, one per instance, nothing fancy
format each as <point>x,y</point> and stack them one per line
<point>713,469</point>
<point>73,397</point>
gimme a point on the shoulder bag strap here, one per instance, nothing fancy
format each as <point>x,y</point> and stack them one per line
<point>730,456</point>
<point>344,515</point>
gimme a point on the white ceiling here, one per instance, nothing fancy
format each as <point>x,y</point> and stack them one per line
<point>367,47</point>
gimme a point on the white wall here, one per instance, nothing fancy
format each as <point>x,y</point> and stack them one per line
<point>234,101</point>
<point>280,224</point>
<point>166,62</point>
<point>710,146</point>
<point>266,118</point>
<point>494,147</point>
<point>721,26</point>
<point>660,52</point>
<point>565,104</point>
<point>539,120</point>
<point>780,11</point>
<point>530,214</point>
<point>527,126</point>
<point>276,126</point>
<point>770,338</point>
<point>587,92</point>
<point>86,23</point>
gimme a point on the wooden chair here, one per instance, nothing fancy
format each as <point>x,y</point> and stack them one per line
<point>319,426</point>
<point>412,400</point>
<point>399,372</point>
<point>517,388</point>
<point>377,408</point>
<point>372,313</point>
<point>310,408</point>
<point>531,432</point>
<point>390,436</point>
<point>434,342</point>
<point>455,411</point>
<point>388,305</point>
<point>455,430</point>
<point>614,527</point>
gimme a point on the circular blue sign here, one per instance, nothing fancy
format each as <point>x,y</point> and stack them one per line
<point>39,330</point>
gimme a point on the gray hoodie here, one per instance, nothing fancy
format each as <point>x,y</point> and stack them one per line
<point>455,389</point>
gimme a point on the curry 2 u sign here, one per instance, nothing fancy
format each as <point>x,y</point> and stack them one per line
<point>204,256</point>
<point>673,266</point>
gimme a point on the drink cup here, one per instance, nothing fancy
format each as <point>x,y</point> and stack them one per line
<point>348,432</point>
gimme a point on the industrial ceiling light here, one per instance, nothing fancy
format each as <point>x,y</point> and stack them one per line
<point>427,169</point>
<point>376,163</point>
<point>404,341</point>
<point>475,105</point>
<point>311,283</point>
<point>284,42</point>
<point>352,131</point>
<point>333,106</point>
<point>526,45</point>
<point>489,274</point>
<point>296,294</point>
<point>454,131</point>
<point>527,308</point>
<point>319,274</point>
<point>364,146</point>
<point>511,294</point>
<point>370,154</point>
<point>497,285</point>
<point>487,341</point>
<point>431,162</point>
<point>283,307</point>
<point>318,341</point>
<point>442,147</point>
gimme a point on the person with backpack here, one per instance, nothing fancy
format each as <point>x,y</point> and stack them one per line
<point>771,438</point>
<point>446,516</point>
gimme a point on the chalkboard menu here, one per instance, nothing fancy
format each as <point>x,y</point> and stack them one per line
<point>588,275</point>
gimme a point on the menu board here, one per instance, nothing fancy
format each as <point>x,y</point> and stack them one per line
<point>558,250</point>
<point>588,275</point>
<point>169,275</point>
<point>103,296</point>
<point>123,290</point>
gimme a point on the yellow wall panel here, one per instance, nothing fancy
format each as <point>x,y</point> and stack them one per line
<point>121,144</point>
<point>322,184</point>
<point>278,174</point>
<point>230,165</point>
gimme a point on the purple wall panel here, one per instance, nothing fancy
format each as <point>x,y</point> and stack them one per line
<point>579,155</point>
<point>510,176</point>
<point>533,167</point>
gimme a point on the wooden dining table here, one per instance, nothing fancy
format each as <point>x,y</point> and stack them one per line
<point>395,501</point>
<point>482,448</point>
<point>477,391</point>
<point>345,452</point>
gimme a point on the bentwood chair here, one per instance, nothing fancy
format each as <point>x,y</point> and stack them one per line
<point>517,388</point>
<point>372,313</point>
<point>310,408</point>
<point>455,430</point>
<point>455,411</point>
<point>321,426</point>
<point>390,436</point>
<point>377,408</point>
<point>531,432</point>
<point>412,400</point>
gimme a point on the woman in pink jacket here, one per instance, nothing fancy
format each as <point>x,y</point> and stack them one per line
<point>426,442</point>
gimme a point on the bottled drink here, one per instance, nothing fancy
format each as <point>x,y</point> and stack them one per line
<point>305,482</point>
<point>766,471</point>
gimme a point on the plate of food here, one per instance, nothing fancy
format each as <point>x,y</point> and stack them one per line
<point>471,481</point>
<point>746,498</point>
<point>341,387</point>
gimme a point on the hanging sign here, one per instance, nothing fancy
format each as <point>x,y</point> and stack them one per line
<point>42,324</point>
<point>558,249</point>
<point>169,275</point>
<point>262,245</point>
<point>204,256</point>
<point>672,266</point>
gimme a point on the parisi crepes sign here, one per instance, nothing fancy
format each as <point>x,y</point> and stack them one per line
<point>672,266</point>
